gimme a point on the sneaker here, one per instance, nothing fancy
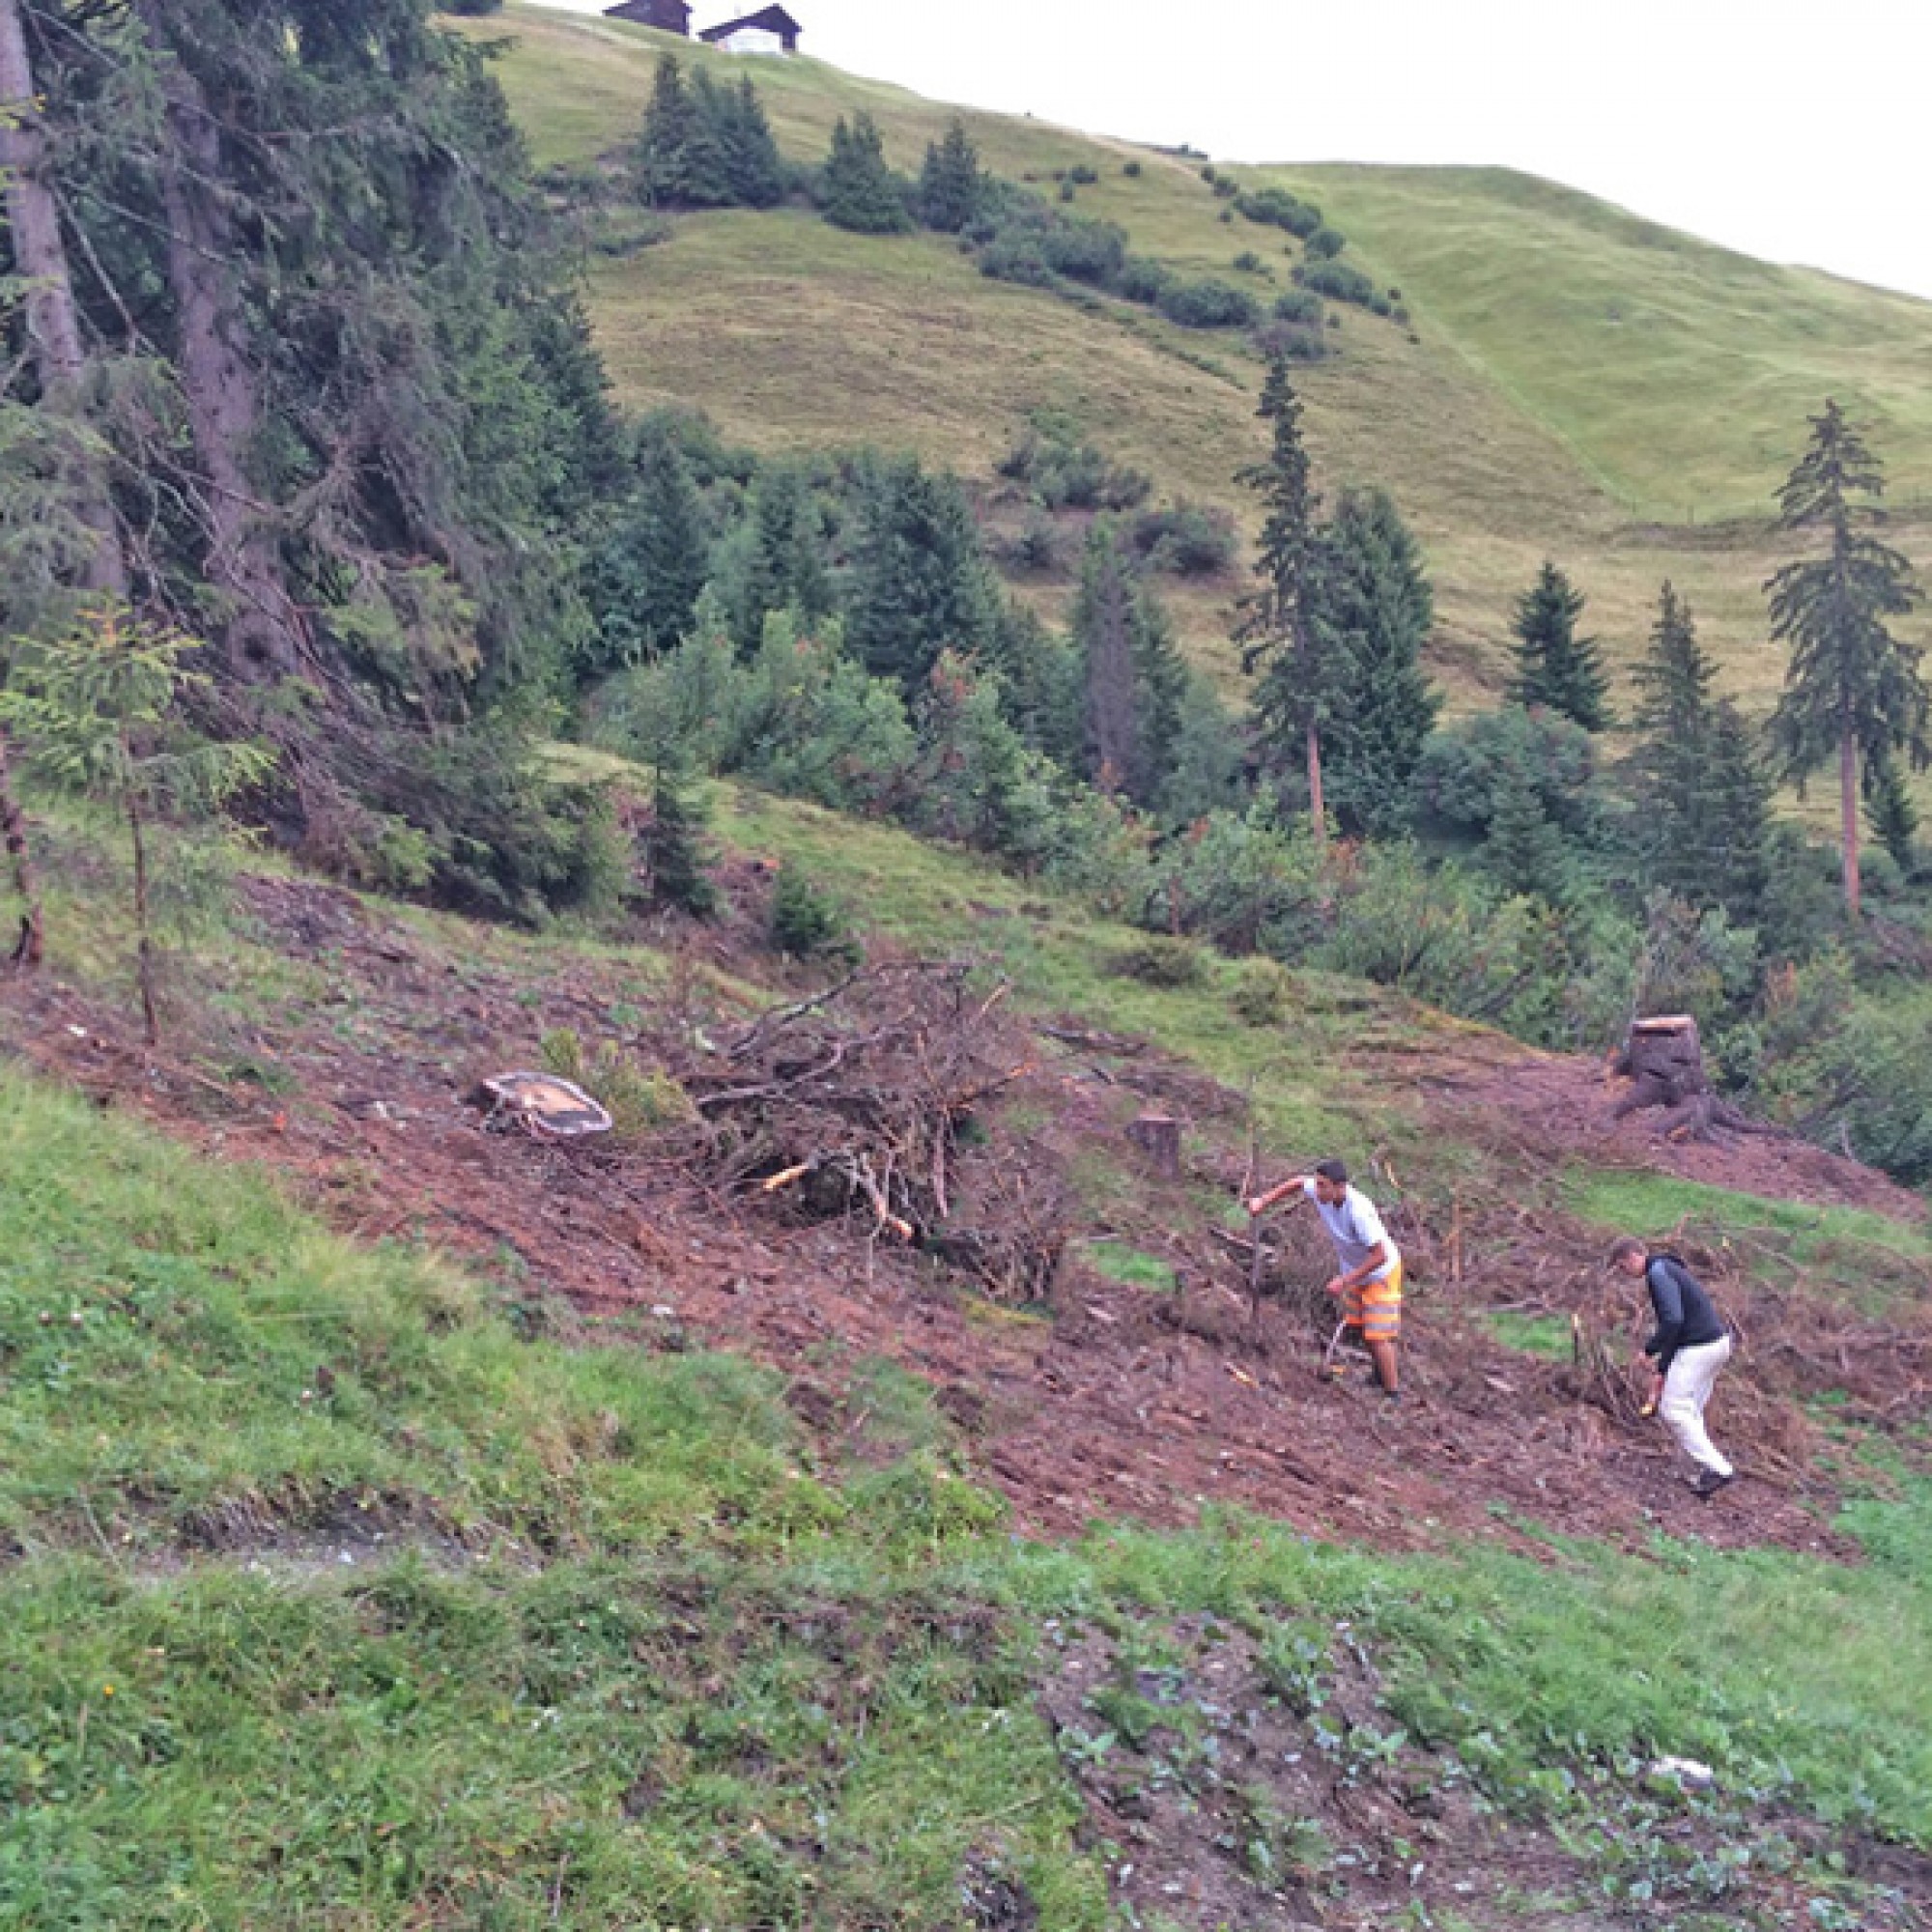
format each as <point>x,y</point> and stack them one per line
<point>1709,1482</point>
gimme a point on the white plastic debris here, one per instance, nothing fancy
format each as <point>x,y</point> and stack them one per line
<point>1687,1770</point>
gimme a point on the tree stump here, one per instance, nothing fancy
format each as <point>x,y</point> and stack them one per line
<point>1158,1137</point>
<point>1664,1060</point>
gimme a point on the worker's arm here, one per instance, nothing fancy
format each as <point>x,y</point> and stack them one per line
<point>1297,1185</point>
<point>1666,1298</point>
<point>1377,1258</point>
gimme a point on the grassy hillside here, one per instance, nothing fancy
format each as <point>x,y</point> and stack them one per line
<point>343,1584</point>
<point>1580,383</point>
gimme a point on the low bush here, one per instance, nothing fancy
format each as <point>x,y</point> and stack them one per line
<point>1143,281</point>
<point>1263,994</point>
<point>1343,281</point>
<point>1063,471</point>
<point>1296,342</point>
<point>1185,540</point>
<point>1326,244</point>
<point>1298,305</point>
<point>1208,304</point>
<point>1158,961</point>
<point>1248,262</point>
<point>809,922</point>
<point>1277,208</point>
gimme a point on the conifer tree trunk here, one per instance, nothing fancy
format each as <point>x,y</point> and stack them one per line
<point>30,945</point>
<point>1848,806</point>
<point>263,633</point>
<point>1317,803</point>
<point>53,321</point>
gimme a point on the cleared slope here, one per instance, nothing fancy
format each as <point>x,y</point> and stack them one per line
<point>1486,423</point>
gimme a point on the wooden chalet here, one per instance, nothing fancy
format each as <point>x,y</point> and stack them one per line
<point>771,30</point>
<point>669,16</point>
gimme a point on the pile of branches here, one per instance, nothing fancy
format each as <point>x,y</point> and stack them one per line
<point>866,1103</point>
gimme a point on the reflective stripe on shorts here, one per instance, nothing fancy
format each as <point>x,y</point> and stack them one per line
<point>1376,1309</point>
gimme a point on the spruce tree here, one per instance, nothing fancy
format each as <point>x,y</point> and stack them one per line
<point>786,568</point>
<point>1104,626</point>
<point>859,190</point>
<point>648,577</point>
<point>951,189</point>
<point>754,168</point>
<point>1133,674</point>
<point>1556,669</point>
<point>1279,623</point>
<point>1375,613</point>
<point>920,583</point>
<point>680,159</point>
<point>1704,801</point>
<point>1525,848</point>
<point>680,874</point>
<point>1853,689</point>
<point>1890,813</point>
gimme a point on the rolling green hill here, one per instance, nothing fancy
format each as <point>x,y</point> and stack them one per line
<point>1579,382</point>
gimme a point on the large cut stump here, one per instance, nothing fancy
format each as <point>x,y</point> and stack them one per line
<point>1158,1137</point>
<point>1664,1061</point>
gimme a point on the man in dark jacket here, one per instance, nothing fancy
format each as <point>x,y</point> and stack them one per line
<point>1689,1346</point>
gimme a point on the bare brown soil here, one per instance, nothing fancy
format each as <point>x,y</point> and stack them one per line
<point>1108,1401</point>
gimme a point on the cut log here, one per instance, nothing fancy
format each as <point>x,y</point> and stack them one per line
<point>1158,1137</point>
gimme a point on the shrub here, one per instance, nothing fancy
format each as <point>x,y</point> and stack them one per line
<point>1241,881</point>
<point>1263,994</point>
<point>1298,305</point>
<point>808,923</point>
<point>1226,188</point>
<point>1343,281</point>
<point>1035,550</point>
<point>1277,208</point>
<point>1185,540</point>
<point>1209,304</point>
<point>1326,244</point>
<point>1064,471</point>
<point>1142,280</point>
<point>1248,262</point>
<point>1034,243</point>
<point>639,1099</point>
<point>1293,340</point>
<point>1015,255</point>
<point>1158,961</point>
<point>1083,175</point>
<point>1133,171</point>
<point>1465,768</point>
<point>1068,191</point>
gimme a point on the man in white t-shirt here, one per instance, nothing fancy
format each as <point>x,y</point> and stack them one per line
<point>1369,1283</point>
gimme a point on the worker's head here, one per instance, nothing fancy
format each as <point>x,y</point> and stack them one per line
<point>1630,1257</point>
<point>1331,1184</point>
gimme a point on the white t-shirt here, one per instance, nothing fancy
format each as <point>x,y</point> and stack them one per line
<point>1356,1230</point>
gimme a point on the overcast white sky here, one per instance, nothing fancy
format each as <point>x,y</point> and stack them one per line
<point>1800,130</point>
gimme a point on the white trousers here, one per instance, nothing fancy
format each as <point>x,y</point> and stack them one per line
<point>1686,1390</point>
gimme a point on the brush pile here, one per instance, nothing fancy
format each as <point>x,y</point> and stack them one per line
<point>869,1103</point>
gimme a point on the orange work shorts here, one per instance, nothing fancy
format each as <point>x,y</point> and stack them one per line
<point>1375,1308</point>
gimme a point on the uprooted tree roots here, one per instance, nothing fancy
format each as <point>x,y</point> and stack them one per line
<point>866,1101</point>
